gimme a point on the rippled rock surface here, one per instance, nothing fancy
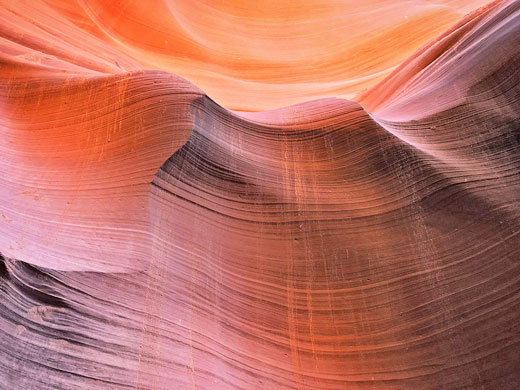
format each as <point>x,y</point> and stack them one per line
<point>154,239</point>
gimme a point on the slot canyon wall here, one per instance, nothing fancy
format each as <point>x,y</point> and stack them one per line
<point>260,195</point>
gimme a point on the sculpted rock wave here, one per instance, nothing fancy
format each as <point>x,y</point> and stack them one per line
<point>153,239</point>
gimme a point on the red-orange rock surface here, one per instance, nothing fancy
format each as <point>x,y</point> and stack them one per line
<point>153,239</point>
<point>246,55</point>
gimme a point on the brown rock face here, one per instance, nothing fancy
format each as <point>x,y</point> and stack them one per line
<point>152,239</point>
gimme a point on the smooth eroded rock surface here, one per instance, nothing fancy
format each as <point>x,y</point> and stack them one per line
<point>153,239</point>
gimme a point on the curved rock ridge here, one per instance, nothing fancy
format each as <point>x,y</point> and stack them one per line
<point>153,239</point>
<point>78,155</point>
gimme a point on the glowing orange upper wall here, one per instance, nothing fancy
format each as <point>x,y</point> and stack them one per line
<point>259,55</point>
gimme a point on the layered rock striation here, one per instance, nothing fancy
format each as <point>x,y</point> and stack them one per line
<point>153,239</point>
